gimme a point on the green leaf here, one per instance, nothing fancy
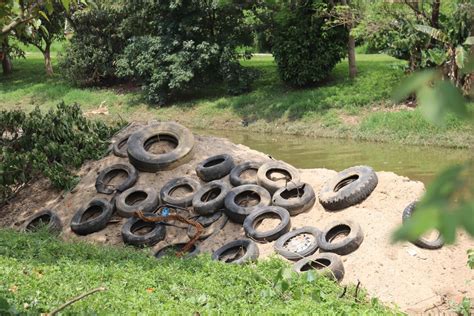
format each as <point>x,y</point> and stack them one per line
<point>44,15</point>
<point>461,56</point>
<point>49,7</point>
<point>433,32</point>
<point>412,84</point>
<point>45,30</point>
<point>66,4</point>
<point>422,220</point>
<point>469,40</point>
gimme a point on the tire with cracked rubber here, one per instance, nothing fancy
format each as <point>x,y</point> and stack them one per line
<point>107,174</point>
<point>84,222</point>
<point>261,213</point>
<point>238,213</point>
<point>327,264</point>
<point>136,199</point>
<point>45,218</point>
<point>421,242</point>
<point>249,247</point>
<point>351,186</point>
<point>166,192</point>
<point>210,197</point>
<point>139,142</point>
<point>215,167</point>
<point>156,232</point>
<point>270,182</point>
<point>295,197</point>
<point>235,175</point>
<point>351,242</point>
<point>279,245</point>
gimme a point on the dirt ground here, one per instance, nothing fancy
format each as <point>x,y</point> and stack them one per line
<point>412,278</point>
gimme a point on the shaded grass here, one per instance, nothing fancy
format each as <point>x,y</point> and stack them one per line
<point>40,273</point>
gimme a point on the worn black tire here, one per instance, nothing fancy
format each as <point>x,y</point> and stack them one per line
<point>422,242</point>
<point>46,218</point>
<point>92,225</point>
<point>251,251</point>
<point>155,235</point>
<point>146,161</point>
<point>207,220</point>
<point>349,187</point>
<point>327,264</point>
<point>263,174</point>
<point>215,167</point>
<point>170,186</point>
<point>235,173</point>
<point>210,229</point>
<point>211,206</point>
<point>237,213</point>
<point>120,146</point>
<point>253,219</point>
<point>279,245</point>
<point>345,246</point>
<point>296,198</point>
<point>193,252</point>
<point>149,204</point>
<point>104,177</point>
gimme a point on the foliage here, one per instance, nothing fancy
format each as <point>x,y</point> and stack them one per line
<point>463,308</point>
<point>470,258</point>
<point>36,280</point>
<point>49,144</point>
<point>305,46</point>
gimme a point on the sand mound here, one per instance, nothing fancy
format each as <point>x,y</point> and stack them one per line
<point>415,279</point>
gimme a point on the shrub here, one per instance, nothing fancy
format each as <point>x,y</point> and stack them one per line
<point>305,48</point>
<point>49,144</point>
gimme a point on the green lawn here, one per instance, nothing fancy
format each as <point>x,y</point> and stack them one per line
<point>39,273</point>
<point>359,109</point>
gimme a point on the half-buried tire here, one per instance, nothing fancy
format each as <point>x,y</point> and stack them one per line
<point>136,199</point>
<point>327,264</point>
<point>236,178</point>
<point>44,219</point>
<point>92,218</point>
<point>210,197</point>
<point>175,248</point>
<point>106,175</point>
<point>166,193</point>
<point>120,146</point>
<point>237,251</point>
<point>137,232</point>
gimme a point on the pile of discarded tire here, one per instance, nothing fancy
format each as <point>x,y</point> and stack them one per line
<point>277,189</point>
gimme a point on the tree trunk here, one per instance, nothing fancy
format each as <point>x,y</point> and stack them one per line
<point>351,48</point>
<point>435,13</point>
<point>47,60</point>
<point>6,61</point>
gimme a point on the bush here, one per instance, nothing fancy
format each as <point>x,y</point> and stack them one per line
<point>49,144</point>
<point>305,48</point>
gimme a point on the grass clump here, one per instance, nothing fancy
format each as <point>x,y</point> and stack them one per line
<point>39,273</point>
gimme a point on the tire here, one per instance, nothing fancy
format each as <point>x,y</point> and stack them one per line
<point>215,167</point>
<point>327,264</point>
<point>193,252</point>
<point>253,219</point>
<point>172,185</point>
<point>149,203</point>
<point>45,218</point>
<point>347,245</point>
<point>155,235</point>
<point>208,220</point>
<point>237,213</point>
<point>349,187</point>
<point>82,226</point>
<point>263,175</point>
<point>102,181</point>
<point>235,173</point>
<point>149,162</point>
<point>250,247</point>
<point>296,198</point>
<point>421,242</point>
<point>120,146</point>
<point>208,207</point>
<point>279,245</point>
<point>211,229</point>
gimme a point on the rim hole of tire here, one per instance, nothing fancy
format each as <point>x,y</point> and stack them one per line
<point>115,177</point>
<point>249,175</point>
<point>317,264</point>
<point>232,254</point>
<point>299,243</point>
<point>141,229</point>
<point>40,221</point>
<point>279,176</point>
<point>338,233</point>
<point>211,194</point>
<point>267,222</point>
<point>293,194</point>
<point>181,190</point>
<point>161,144</point>
<point>344,182</point>
<point>247,199</point>
<point>122,143</point>
<point>214,162</point>
<point>136,197</point>
<point>91,213</point>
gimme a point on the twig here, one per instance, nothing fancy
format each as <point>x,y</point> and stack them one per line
<point>356,294</point>
<point>60,308</point>
<point>343,292</point>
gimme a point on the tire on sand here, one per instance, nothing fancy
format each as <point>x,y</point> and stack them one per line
<point>215,167</point>
<point>156,232</point>
<point>422,242</point>
<point>247,250</point>
<point>237,212</point>
<point>46,218</point>
<point>279,245</point>
<point>251,222</point>
<point>327,264</point>
<point>349,243</point>
<point>271,182</point>
<point>84,222</point>
<point>296,198</point>
<point>107,174</point>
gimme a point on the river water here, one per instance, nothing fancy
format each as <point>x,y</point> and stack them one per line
<point>416,162</point>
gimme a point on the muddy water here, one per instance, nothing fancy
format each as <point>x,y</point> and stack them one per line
<point>415,162</point>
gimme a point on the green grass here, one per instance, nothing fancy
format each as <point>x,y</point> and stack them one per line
<point>339,107</point>
<point>39,273</point>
